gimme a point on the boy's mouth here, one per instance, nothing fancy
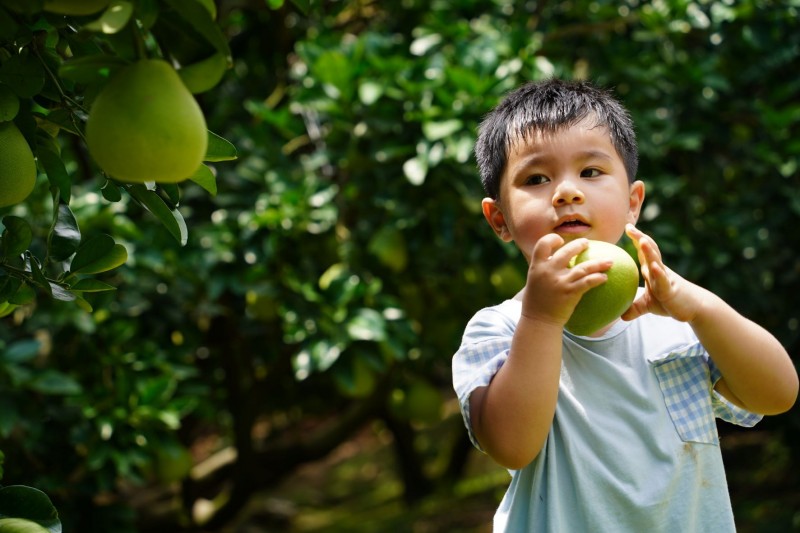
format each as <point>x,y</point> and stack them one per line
<point>572,225</point>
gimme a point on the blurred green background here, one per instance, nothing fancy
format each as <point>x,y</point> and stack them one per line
<point>288,368</point>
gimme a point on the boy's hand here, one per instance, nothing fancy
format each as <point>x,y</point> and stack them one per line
<point>553,289</point>
<point>666,293</point>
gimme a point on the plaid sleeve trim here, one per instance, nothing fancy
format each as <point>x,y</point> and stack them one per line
<point>686,377</point>
<point>474,366</point>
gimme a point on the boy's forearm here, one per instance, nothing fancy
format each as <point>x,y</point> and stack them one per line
<point>512,416</point>
<point>755,367</point>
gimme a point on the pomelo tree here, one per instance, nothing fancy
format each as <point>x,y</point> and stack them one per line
<point>66,64</point>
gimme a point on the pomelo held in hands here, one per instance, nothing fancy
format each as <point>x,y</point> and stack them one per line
<point>145,125</point>
<point>605,303</point>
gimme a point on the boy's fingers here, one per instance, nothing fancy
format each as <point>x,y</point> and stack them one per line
<point>547,246</point>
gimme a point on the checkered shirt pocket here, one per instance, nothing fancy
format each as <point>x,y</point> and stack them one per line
<point>687,377</point>
<point>685,380</point>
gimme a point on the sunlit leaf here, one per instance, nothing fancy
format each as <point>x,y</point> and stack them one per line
<point>219,149</point>
<point>206,179</point>
<point>171,218</point>
<point>92,285</point>
<point>98,254</point>
<point>415,169</point>
<point>367,325</point>
<point>113,19</point>
<point>435,131</point>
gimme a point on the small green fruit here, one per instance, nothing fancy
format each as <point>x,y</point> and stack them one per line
<point>145,125</point>
<point>20,525</point>
<point>605,303</point>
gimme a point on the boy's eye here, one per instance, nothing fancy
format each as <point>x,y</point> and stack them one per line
<point>590,173</point>
<point>536,179</point>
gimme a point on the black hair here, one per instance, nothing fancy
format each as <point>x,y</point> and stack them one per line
<point>548,106</point>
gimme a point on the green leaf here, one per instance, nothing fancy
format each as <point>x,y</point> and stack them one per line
<point>416,170</point>
<point>205,178</point>
<point>27,502</point>
<point>17,236</point>
<point>333,68</point>
<point>435,131</point>
<point>8,287</point>
<point>303,5</point>
<point>23,295</point>
<point>56,172</point>
<point>111,191</point>
<point>200,19</point>
<point>205,74</point>
<point>64,236</point>
<point>170,218</point>
<point>90,69</point>
<point>98,254</point>
<point>21,351</point>
<point>54,382</point>
<point>36,273</point>
<point>367,325</point>
<point>113,19</point>
<point>219,149</point>
<point>92,285</point>
<point>24,74</point>
<point>60,293</point>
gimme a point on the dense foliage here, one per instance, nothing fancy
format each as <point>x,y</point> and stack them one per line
<point>327,282</point>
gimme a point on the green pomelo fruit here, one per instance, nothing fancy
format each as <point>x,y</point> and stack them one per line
<point>20,525</point>
<point>74,7</point>
<point>17,166</point>
<point>9,103</point>
<point>145,125</point>
<point>605,303</point>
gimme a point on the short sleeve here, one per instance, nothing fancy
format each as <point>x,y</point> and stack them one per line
<point>484,348</point>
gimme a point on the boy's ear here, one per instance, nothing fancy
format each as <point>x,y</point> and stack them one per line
<point>636,201</point>
<point>493,214</point>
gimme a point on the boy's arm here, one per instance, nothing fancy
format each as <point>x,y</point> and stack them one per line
<point>511,417</point>
<point>757,373</point>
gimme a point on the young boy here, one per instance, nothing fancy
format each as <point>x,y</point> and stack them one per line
<point>614,431</point>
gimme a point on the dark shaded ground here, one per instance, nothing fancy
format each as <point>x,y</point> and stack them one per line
<point>355,490</point>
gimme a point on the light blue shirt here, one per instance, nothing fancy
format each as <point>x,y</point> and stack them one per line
<point>633,446</point>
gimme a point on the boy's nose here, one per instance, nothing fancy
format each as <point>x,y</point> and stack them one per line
<point>567,193</point>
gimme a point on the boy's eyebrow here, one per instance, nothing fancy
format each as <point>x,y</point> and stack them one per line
<point>535,158</point>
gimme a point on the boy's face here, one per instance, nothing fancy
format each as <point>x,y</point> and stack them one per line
<point>571,182</point>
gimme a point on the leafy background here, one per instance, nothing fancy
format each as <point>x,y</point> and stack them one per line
<point>301,337</point>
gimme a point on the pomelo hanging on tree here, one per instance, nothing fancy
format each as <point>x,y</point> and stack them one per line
<point>145,125</point>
